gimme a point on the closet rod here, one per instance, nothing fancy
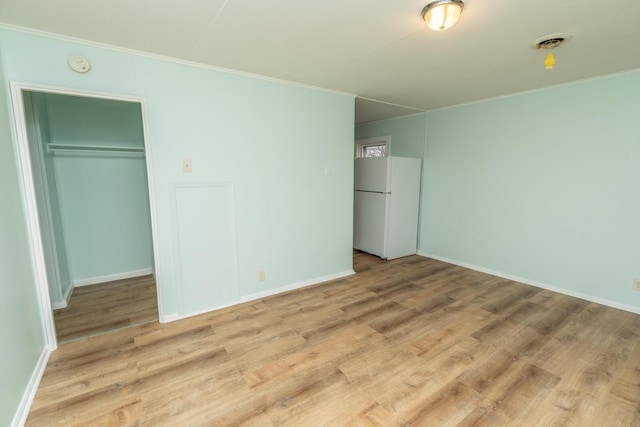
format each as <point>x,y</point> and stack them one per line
<point>71,149</point>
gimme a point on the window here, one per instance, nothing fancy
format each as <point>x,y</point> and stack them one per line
<point>373,147</point>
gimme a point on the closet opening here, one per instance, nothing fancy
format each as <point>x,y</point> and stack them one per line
<point>85,167</point>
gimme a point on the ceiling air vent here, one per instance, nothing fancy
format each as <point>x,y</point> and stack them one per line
<point>551,41</point>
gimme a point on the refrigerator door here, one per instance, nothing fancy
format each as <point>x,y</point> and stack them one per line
<point>372,174</point>
<point>370,212</point>
<point>404,207</point>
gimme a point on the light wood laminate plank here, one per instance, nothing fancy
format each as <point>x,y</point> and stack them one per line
<point>105,307</point>
<point>413,341</point>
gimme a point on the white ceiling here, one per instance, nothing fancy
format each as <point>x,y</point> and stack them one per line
<point>377,49</point>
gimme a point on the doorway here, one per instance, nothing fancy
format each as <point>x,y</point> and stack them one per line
<point>84,162</point>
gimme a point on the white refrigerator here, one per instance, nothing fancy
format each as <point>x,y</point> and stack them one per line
<point>386,203</point>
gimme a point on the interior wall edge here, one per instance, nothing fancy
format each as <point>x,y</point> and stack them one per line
<point>66,298</point>
<point>548,287</point>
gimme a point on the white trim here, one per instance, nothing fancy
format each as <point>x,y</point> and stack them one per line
<point>152,207</point>
<point>66,298</point>
<point>21,146</point>
<point>61,37</point>
<point>111,277</point>
<point>419,110</point>
<point>85,93</point>
<point>259,295</point>
<point>170,318</point>
<point>393,118</point>
<point>559,290</point>
<point>59,305</point>
<point>525,92</point>
<point>69,292</point>
<point>29,394</point>
<point>297,285</point>
<point>367,142</point>
<point>31,31</point>
<point>48,215</point>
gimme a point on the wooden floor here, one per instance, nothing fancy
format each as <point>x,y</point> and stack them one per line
<point>106,307</point>
<point>411,341</point>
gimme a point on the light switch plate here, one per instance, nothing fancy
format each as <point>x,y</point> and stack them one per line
<point>186,166</point>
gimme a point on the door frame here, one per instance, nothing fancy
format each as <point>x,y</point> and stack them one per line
<point>47,221</point>
<point>21,146</point>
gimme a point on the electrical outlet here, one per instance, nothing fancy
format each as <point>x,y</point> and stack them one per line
<point>261,276</point>
<point>636,284</point>
<point>186,165</point>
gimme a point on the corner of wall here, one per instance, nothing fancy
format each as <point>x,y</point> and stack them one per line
<point>30,392</point>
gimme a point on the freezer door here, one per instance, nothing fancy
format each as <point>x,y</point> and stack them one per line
<point>370,211</point>
<point>372,174</point>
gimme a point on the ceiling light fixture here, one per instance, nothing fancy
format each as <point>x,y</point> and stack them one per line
<point>442,14</point>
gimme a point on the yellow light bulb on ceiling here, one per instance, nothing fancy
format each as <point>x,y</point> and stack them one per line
<point>442,14</point>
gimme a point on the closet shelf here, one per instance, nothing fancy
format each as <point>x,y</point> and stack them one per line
<point>99,150</point>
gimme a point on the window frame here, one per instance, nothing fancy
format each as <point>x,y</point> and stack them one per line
<point>361,144</point>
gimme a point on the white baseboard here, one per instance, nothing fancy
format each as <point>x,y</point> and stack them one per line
<point>169,318</point>
<point>29,394</point>
<point>256,296</point>
<point>297,285</point>
<point>548,287</point>
<point>66,298</point>
<point>59,305</point>
<point>111,277</point>
<point>67,295</point>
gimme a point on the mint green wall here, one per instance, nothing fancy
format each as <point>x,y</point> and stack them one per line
<point>287,149</point>
<point>54,199</point>
<point>104,202</point>
<point>105,215</point>
<point>21,330</point>
<point>543,186</point>
<point>407,134</point>
<point>80,121</point>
